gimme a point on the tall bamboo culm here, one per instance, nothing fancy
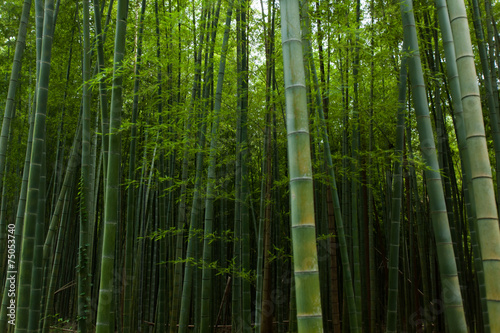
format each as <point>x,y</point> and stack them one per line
<point>309,316</point>
<point>483,192</point>
<point>31,214</point>
<point>112,197</point>
<point>11,94</point>
<point>452,298</point>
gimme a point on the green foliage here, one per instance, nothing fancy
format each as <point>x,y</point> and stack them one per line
<point>229,268</point>
<point>225,236</point>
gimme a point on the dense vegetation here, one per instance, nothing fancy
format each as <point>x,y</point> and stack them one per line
<point>243,166</point>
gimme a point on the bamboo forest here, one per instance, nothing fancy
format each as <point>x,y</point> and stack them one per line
<point>249,166</point>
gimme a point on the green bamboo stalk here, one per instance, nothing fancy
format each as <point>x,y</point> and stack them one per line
<point>129,244</point>
<point>311,89</point>
<point>421,237</point>
<point>245,174</point>
<point>37,272</point>
<point>4,231</point>
<point>163,201</point>
<point>147,245</point>
<point>104,309</point>
<point>206,287</point>
<point>19,222</point>
<point>282,268</point>
<point>181,215</point>
<point>60,144</point>
<point>103,97</point>
<point>56,223</point>
<point>236,307</point>
<point>191,251</point>
<point>7,119</point>
<point>458,122</point>
<point>263,320</point>
<point>371,240</point>
<point>491,54</point>
<point>371,216</point>
<point>355,220</point>
<point>179,239</point>
<point>39,33</point>
<point>309,316</point>
<point>56,265</point>
<point>103,104</point>
<point>481,178</point>
<point>393,265</point>
<point>29,229</point>
<point>142,230</point>
<point>153,263</point>
<point>490,96</point>
<point>444,164</point>
<point>13,83</point>
<point>83,270</point>
<point>454,312</point>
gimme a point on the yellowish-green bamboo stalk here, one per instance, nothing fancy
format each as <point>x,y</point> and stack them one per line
<point>483,192</point>
<point>308,298</point>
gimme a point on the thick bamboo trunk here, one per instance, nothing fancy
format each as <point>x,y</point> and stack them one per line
<point>309,316</point>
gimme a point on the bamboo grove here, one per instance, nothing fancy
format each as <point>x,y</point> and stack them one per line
<point>249,166</point>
